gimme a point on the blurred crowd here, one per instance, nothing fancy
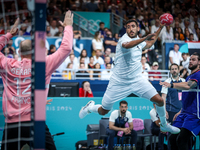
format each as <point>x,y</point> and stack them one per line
<point>185,12</point>
<point>186,27</point>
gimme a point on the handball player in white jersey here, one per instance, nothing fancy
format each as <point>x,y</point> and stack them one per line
<point>127,76</point>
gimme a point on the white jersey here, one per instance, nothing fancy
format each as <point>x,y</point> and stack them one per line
<point>115,114</point>
<point>127,61</point>
<point>153,115</point>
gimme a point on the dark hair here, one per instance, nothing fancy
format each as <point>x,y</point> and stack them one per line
<point>132,20</point>
<point>84,83</point>
<point>101,23</point>
<point>191,34</point>
<point>96,65</point>
<point>178,35</point>
<point>123,102</point>
<point>81,54</point>
<point>96,35</point>
<point>68,65</point>
<point>174,64</point>
<point>179,13</point>
<point>81,57</point>
<point>52,46</point>
<point>81,64</point>
<point>196,54</point>
<point>110,30</point>
<point>106,56</point>
<point>96,68</point>
<point>184,54</point>
<point>181,29</point>
<point>108,64</point>
<point>177,44</point>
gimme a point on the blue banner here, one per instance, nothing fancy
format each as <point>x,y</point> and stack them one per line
<point>78,44</point>
<point>62,116</point>
<point>95,18</point>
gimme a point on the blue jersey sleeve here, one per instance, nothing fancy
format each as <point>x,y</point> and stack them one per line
<point>196,77</point>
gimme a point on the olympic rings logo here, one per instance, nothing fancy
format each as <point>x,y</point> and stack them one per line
<point>93,25</point>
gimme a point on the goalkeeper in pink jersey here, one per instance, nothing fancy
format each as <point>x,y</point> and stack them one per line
<point>16,76</point>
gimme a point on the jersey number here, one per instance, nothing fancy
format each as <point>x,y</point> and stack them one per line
<point>25,91</point>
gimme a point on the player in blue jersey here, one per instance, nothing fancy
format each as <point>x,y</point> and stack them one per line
<point>127,76</point>
<point>188,119</point>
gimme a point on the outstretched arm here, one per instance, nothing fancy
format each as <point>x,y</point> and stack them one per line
<point>5,38</point>
<point>150,43</point>
<point>56,59</point>
<point>136,42</point>
<point>181,85</point>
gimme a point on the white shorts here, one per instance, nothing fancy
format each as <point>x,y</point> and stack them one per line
<point>117,90</point>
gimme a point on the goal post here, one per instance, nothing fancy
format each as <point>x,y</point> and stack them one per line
<point>38,101</point>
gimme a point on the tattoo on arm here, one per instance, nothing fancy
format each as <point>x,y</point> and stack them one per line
<point>192,84</point>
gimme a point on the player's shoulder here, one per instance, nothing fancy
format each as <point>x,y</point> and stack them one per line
<point>198,72</point>
<point>124,38</point>
<point>128,113</point>
<point>16,63</point>
<point>115,112</point>
<point>195,75</point>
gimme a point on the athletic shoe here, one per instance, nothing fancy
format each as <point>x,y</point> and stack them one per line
<point>169,128</point>
<point>84,111</point>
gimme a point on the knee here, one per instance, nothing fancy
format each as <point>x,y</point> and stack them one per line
<point>103,112</point>
<point>133,133</point>
<point>111,133</point>
<point>159,101</point>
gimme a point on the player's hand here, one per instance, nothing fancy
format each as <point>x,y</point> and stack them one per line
<point>176,115</point>
<point>129,132</point>
<point>126,130</point>
<point>162,25</point>
<point>150,36</point>
<point>89,90</point>
<point>48,101</point>
<point>14,29</point>
<point>68,20</point>
<point>165,84</point>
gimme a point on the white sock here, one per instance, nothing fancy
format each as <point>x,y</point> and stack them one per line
<point>162,114</point>
<point>94,108</point>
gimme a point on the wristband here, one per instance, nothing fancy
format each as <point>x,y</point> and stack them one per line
<point>172,85</point>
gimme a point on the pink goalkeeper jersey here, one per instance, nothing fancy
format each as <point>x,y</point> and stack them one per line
<point>16,76</point>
